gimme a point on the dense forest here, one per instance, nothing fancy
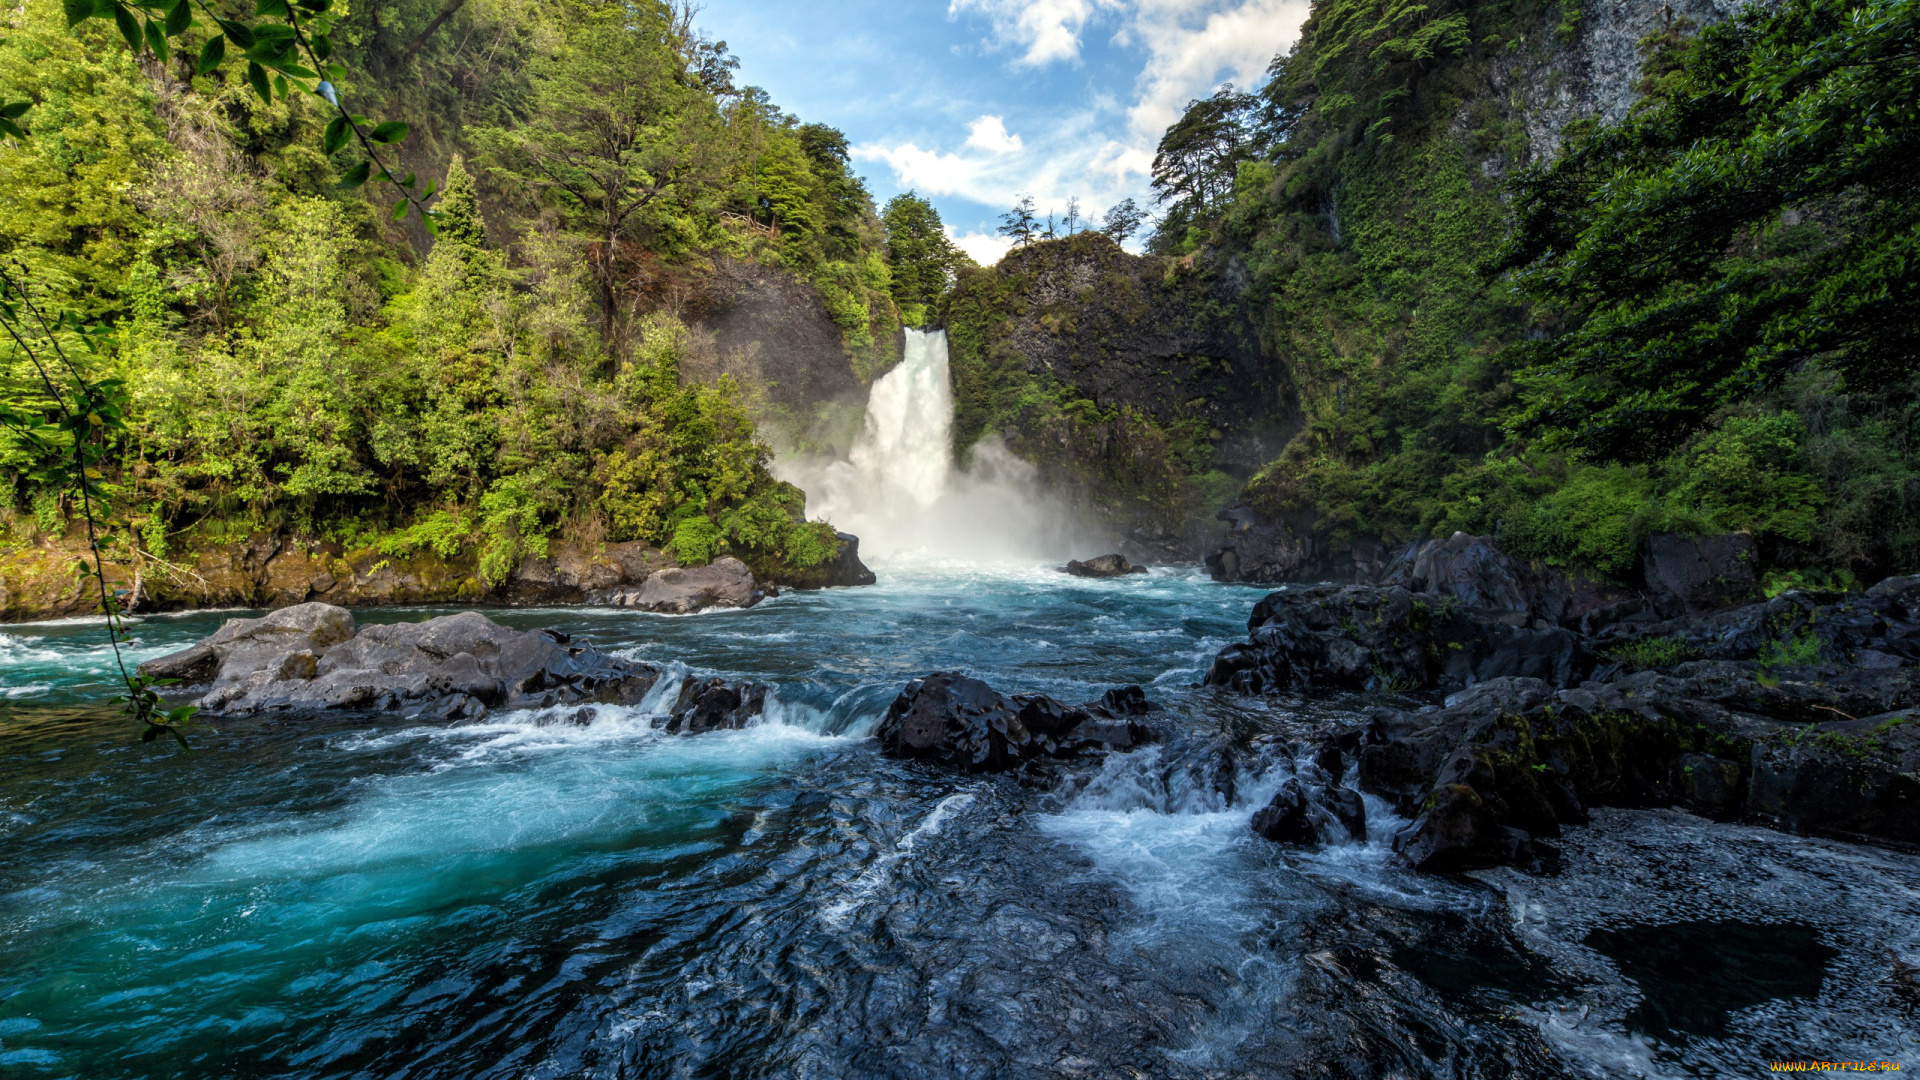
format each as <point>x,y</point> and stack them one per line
<point>1700,318</point>
<point>1697,318</point>
<point>298,359</point>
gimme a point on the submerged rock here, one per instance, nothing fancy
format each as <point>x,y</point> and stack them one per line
<point>962,722</point>
<point>724,583</point>
<point>1103,566</point>
<point>310,656</point>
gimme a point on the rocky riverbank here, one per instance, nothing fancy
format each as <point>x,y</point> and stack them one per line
<point>1798,713</point>
<point>44,580</point>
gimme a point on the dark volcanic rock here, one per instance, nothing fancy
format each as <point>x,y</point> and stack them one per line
<point>1309,814</point>
<point>309,657</point>
<point>1360,637</point>
<point>715,705</point>
<point>1475,571</point>
<point>1879,628</point>
<point>1857,779</point>
<point>846,569</point>
<point>1103,566</point>
<point>1262,552</point>
<point>1687,574</point>
<point>1720,738</point>
<point>964,723</point>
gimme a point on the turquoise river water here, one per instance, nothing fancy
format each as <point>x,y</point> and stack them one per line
<point>356,895</point>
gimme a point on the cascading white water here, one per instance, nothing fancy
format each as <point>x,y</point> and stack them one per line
<point>906,443</point>
<point>899,491</point>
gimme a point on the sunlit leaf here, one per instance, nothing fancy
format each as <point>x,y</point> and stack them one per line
<point>399,209</point>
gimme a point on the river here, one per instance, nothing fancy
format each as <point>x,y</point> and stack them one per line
<point>356,895</point>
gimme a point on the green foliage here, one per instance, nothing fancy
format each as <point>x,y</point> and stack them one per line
<point>1650,654</point>
<point>1800,650</point>
<point>290,363</point>
<point>1760,215</point>
<point>1775,582</point>
<point>920,258</point>
<point>1714,284</point>
<point>1740,478</point>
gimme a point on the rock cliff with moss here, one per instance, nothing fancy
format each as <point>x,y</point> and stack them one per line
<point>1136,383</point>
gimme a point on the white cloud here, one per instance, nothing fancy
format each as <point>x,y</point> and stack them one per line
<point>1102,152</point>
<point>989,133</point>
<point>984,248</point>
<point>1194,47</point>
<point>1045,30</point>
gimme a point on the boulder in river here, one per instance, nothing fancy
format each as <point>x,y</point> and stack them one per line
<point>1103,566</point>
<point>714,705</point>
<point>310,656</point>
<point>724,583</point>
<point>962,722</point>
<point>1310,814</point>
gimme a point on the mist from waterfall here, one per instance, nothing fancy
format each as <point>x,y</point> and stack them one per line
<point>900,492</point>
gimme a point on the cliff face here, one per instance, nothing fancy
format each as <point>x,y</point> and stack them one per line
<point>772,332</point>
<point>1594,72</point>
<point>1135,383</point>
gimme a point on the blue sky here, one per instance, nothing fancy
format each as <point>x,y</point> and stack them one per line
<point>975,102</point>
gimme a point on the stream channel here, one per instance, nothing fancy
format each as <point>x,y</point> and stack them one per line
<point>357,895</point>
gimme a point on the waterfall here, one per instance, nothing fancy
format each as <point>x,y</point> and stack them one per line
<point>898,489</point>
<point>906,443</point>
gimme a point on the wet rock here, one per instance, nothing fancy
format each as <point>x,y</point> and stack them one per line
<point>1103,566</point>
<point>1260,551</point>
<point>1851,778</point>
<point>456,666</point>
<point>724,583</point>
<point>846,570</point>
<point>964,723</point>
<point>1877,629</point>
<point>1311,814</point>
<point>1687,574</point>
<point>714,705</point>
<point>1361,637</point>
<point>1475,571</point>
<point>1720,738</point>
<point>284,644</point>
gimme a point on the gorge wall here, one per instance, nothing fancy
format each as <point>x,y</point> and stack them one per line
<point>1136,384</point>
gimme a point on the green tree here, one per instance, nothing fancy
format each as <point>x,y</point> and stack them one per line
<point>1762,216</point>
<point>919,255</point>
<point>611,126</point>
<point>1021,223</point>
